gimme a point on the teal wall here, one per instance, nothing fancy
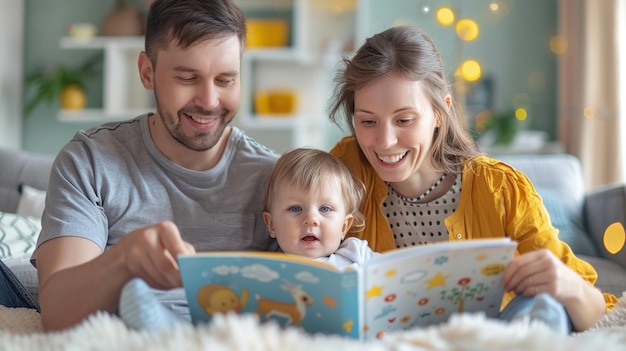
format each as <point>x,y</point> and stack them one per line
<point>509,48</point>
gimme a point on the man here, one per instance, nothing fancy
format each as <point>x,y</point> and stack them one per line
<point>126,198</point>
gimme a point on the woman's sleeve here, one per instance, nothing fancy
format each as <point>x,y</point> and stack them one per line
<point>528,222</point>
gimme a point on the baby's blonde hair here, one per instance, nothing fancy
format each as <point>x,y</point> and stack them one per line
<point>311,169</point>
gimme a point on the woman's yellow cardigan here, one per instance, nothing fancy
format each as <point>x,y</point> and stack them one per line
<point>496,201</point>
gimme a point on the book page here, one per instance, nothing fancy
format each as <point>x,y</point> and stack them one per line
<point>290,290</point>
<point>424,285</point>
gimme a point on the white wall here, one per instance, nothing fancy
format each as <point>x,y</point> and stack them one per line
<point>11,67</point>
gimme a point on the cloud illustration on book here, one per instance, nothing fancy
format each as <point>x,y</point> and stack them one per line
<point>385,311</point>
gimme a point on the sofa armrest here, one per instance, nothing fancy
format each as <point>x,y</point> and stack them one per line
<point>603,207</point>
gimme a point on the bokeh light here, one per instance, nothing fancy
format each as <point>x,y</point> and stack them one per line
<point>467,29</point>
<point>537,80</point>
<point>482,118</point>
<point>558,45</point>
<point>470,70</point>
<point>589,112</point>
<point>497,9</point>
<point>336,7</point>
<point>614,238</point>
<point>445,16</point>
<point>521,114</point>
<point>521,100</point>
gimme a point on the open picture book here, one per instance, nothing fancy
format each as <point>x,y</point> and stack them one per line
<point>398,289</point>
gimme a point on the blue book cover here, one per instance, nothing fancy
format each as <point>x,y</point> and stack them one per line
<point>292,290</point>
<point>397,290</point>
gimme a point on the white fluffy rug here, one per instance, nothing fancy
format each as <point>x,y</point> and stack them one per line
<point>20,329</point>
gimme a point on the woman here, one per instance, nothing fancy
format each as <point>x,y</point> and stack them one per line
<point>427,180</point>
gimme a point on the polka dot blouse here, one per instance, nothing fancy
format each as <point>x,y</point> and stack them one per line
<point>420,223</point>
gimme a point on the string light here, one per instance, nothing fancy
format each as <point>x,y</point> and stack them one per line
<point>558,45</point>
<point>445,16</point>
<point>470,70</point>
<point>467,29</point>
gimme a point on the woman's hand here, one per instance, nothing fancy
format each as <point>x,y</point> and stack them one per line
<point>541,271</point>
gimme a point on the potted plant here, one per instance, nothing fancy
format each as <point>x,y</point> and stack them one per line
<point>61,82</point>
<point>497,129</point>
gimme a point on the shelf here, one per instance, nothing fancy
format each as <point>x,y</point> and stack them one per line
<point>543,148</point>
<point>275,54</point>
<point>131,43</point>
<point>271,121</point>
<point>98,115</point>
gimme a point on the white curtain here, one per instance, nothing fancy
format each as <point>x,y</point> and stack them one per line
<point>592,87</point>
<point>621,73</point>
<point>11,37</point>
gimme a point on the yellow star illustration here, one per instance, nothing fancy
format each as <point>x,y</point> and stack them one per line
<point>347,326</point>
<point>374,291</point>
<point>438,280</point>
<point>390,273</point>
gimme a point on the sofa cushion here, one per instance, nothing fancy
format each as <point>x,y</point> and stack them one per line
<point>611,276</point>
<point>570,231</point>
<point>604,206</point>
<point>32,201</point>
<point>21,167</point>
<point>18,234</point>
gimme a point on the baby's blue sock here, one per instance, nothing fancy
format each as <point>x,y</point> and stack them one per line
<point>140,309</point>
<point>542,307</point>
<point>547,309</point>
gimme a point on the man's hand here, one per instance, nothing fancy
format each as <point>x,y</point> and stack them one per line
<point>150,253</point>
<point>77,278</point>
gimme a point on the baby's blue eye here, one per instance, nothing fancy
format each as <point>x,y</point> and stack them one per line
<point>326,209</point>
<point>294,209</point>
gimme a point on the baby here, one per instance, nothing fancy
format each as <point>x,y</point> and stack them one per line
<point>312,203</point>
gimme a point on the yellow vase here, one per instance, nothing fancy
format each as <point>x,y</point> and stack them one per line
<point>73,98</point>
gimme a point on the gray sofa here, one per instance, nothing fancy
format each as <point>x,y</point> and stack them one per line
<point>17,168</point>
<point>581,217</point>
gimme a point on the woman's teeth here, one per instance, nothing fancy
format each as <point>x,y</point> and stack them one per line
<point>391,158</point>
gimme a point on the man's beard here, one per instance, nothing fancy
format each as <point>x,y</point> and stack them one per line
<point>199,142</point>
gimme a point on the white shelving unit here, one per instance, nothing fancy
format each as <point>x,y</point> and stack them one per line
<point>322,31</point>
<point>124,96</point>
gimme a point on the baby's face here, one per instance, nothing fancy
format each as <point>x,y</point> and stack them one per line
<point>309,223</point>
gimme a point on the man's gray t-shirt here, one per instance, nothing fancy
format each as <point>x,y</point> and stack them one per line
<point>110,180</point>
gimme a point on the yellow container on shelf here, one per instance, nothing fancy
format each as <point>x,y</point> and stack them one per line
<point>263,33</point>
<point>275,102</point>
